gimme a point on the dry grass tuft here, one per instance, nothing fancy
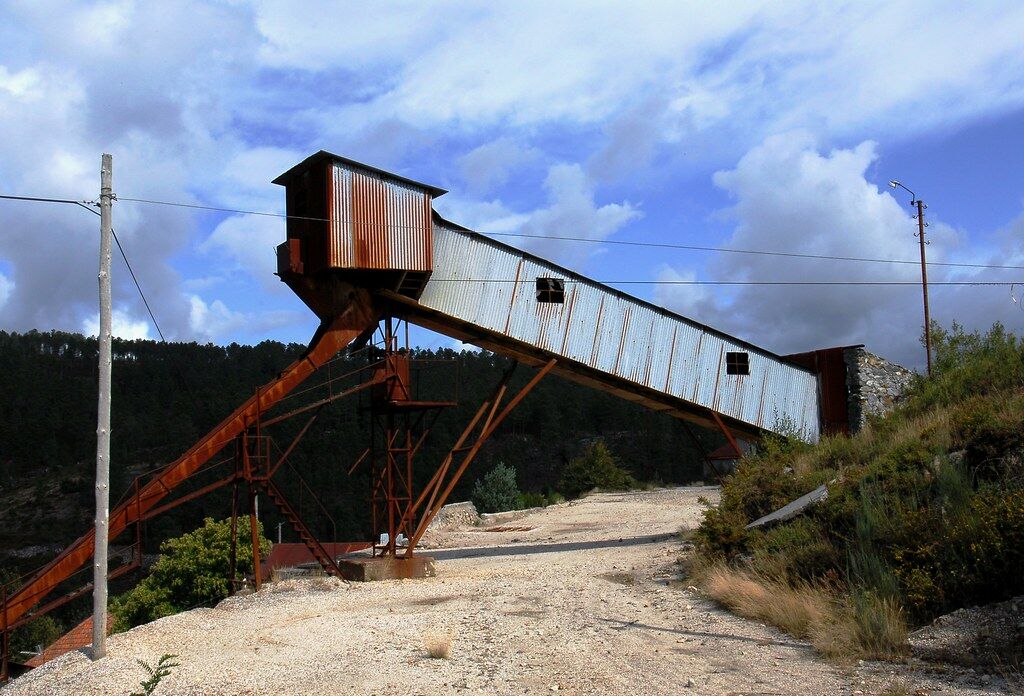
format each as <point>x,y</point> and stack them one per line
<point>622,577</point>
<point>796,610</point>
<point>862,627</point>
<point>903,687</point>
<point>438,645</point>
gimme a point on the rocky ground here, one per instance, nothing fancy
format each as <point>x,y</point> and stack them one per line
<point>577,598</point>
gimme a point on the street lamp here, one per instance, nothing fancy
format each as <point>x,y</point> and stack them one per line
<point>921,224</point>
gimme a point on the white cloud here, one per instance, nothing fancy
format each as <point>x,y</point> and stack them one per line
<point>6,286</point>
<point>571,211</point>
<point>249,241</point>
<point>679,290</point>
<point>746,72</point>
<point>490,165</point>
<point>213,320</point>
<point>122,326</point>
<point>790,197</point>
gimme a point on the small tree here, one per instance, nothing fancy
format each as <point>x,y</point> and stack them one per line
<point>595,468</point>
<point>497,490</point>
<point>192,571</point>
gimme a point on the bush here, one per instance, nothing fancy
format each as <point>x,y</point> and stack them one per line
<point>925,512</point>
<point>525,501</point>
<point>595,468</point>
<point>497,490</point>
<point>192,571</point>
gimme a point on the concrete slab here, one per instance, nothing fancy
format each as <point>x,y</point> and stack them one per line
<point>386,568</point>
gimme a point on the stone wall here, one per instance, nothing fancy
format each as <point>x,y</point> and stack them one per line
<point>874,385</point>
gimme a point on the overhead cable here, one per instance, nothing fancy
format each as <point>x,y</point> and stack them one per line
<point>580,240</point>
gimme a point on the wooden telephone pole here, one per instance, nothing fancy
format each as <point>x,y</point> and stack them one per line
<point>99,575</point>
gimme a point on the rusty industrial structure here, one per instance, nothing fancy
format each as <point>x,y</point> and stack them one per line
<point>367,253</point>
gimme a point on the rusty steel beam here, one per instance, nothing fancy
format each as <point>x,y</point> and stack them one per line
<point>198,493</point>
<point>728,434</point>
<point>493,422</point>
<point>321,402</point>
<point>74,594</point>
<point>329,339</point>
<point>291,447</point>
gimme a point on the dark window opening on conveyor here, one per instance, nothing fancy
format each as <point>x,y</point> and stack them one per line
<point>551,290</point>
<point>737,364</point>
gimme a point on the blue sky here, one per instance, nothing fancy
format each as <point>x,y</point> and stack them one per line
<point>741,125</point>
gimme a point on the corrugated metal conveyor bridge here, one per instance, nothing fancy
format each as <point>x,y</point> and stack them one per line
<point>607,339</point>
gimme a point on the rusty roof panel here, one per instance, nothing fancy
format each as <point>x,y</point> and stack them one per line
<point>610,332</point>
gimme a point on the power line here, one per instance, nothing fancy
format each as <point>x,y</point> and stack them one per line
<point>223,210</point>
<point>759,252</point>
<point>131,272</point>
<point>587,240</point>
<point>44,200</point>
<point>914,283</point>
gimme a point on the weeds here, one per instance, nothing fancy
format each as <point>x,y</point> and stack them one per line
<point>157,673</point>
<point>839,627</point>
<point>796,610</point>
<point>438,645</point>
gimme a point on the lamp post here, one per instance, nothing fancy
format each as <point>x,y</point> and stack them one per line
<point>921,224</point>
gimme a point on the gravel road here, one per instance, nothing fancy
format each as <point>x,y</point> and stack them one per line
<point>584,601</point>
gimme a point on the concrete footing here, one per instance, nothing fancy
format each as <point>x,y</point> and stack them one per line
<point>386,568</point>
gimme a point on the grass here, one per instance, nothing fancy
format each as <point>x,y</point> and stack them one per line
<point>797,611</point>
<point>901,687</point>
<point>438,645</point>
<point>622,577</point>
<point>839,627</point>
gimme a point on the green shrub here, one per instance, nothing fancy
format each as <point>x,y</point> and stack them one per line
<point>925,512</point>
<point>553,498</point>
<point>595,468</point>
<point>497,490</point>
<point>524,501</point>
<point>192,571</point>
<point>967,365</point>
<point>794,551</point>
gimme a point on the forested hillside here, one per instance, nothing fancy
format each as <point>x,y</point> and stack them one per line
<point>167,395</point>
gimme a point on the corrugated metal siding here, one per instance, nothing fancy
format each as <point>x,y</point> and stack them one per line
<point>614,334</point>
<point>378,223</point>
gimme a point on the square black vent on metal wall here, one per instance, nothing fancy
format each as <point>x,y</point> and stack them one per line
<point>737,363</point>
<point>551,290</point>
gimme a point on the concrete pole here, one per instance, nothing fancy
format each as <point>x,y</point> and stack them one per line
<point>99,576</point>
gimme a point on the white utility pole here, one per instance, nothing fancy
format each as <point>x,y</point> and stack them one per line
<point>99,571</point>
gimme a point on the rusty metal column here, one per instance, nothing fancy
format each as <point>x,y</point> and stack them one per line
<point>6,646</point>
<point>233,563</point>
<point>255,534</point>
<point>924,286</point>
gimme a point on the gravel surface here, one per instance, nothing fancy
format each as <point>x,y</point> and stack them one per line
<point>585,600</point>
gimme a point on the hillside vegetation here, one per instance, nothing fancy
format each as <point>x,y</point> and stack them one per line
<point>925,512</point>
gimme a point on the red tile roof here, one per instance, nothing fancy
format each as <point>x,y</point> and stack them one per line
<point>78,637</point>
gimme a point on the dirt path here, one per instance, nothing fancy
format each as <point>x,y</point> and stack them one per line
<point>583,602</point>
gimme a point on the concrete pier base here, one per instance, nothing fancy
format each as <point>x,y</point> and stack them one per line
<point>386,568</point>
